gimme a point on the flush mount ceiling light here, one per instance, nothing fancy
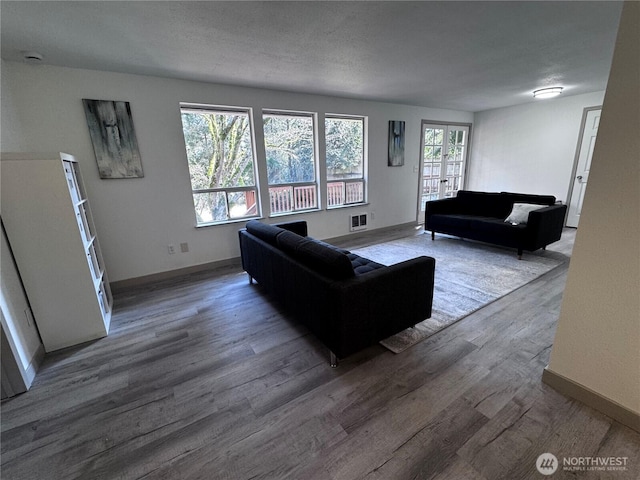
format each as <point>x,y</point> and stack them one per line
<point>547,92</point>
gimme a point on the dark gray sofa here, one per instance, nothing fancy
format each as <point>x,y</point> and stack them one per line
<point>481,216</point>
<point>348,302</point>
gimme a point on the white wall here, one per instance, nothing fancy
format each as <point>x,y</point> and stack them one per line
<point>597,342</point>
<point>137,218</point>
<point>528,148</point>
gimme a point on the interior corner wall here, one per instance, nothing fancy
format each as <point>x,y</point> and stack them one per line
<point>597,342</point>
<point>528,148</point>
<point>136,219</point>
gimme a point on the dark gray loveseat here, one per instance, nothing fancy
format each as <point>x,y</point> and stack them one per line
<point>481,216</point>
<point>348,302</point>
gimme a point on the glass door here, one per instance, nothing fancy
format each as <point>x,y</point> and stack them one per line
<point>443,159</point>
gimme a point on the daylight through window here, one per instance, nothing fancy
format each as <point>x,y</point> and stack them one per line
<point>345,160</point>
<point>221,162</point>
<point>289,141</point>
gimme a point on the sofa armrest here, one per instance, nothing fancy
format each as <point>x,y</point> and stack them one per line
<point>391,298</point>
<point>409,272</point>
<point>545,225</point>
<point>299,227</point>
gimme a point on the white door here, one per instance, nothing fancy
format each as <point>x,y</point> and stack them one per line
<point>583,164</point>
<point>442,162</point>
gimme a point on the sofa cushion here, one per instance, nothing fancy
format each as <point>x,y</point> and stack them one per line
<point>324,260</point>
<point>362,265</point>
<point>495,230</point>
<point>529,198</point>
<point>487,204</point>
<point>264,231</point>
<point>333,247</point>
<point>446,221</point>
<point>322,257</point>
<point>288,241</point>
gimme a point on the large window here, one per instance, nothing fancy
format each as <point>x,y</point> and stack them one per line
<point>345,160</point>
<point>221,163</point>
<point>289,140</point>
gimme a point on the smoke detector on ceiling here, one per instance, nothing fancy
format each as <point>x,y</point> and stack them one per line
<point>33,58</point>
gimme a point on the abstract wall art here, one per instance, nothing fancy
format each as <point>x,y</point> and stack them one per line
<point>114,138</point>
<point>396,143</point>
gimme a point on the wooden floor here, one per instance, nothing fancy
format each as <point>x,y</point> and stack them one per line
<point>203,377</point>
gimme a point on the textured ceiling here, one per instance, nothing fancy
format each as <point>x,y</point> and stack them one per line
<point>460,55</point>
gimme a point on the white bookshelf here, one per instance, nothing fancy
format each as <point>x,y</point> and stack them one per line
<point>49,224</point>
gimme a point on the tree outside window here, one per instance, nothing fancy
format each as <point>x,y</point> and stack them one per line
<point>221,164</point>
<point>289,141</point>
<point>345,160</point>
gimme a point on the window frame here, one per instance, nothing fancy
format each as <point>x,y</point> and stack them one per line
<point>365,161</point>
<point>293,186</point>
<point>225,109</point>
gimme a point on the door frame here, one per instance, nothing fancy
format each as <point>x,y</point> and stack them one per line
<point>421,155</point>
<point>576,156</point>
<point>16,378</point>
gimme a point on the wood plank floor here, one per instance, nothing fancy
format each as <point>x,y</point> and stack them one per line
<point>204,378</point>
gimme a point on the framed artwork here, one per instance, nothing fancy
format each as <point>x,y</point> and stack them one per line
<point>113,138</point>
<point>396,143</point>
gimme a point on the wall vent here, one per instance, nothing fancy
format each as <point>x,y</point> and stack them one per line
<point>358,222</point>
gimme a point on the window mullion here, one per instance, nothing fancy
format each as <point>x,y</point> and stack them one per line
<point>321,170</point>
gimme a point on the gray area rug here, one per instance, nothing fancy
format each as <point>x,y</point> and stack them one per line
<point>468,276</point>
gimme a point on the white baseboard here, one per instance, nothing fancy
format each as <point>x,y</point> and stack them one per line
<point>34,365</point>
<point>591,398</point>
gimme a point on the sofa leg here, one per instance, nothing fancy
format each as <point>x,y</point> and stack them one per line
<point>333,360</point>
<point>433,235</point>
<point>250,279</point>
<point>519,254</point>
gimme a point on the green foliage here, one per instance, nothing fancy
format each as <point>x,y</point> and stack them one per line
<point>289,149</point>
<point>218,149</point>
<point>344,148</point>
<point>433,136</point>
<point>220,156</point>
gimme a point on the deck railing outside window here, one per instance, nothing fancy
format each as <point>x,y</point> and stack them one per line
<point>345,193</point>
<point>289,198</point>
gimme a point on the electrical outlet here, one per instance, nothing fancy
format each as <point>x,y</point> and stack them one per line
<point>172,249</point>
<point>184,247</point>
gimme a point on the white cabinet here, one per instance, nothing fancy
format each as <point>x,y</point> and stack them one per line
<point>48,221</point>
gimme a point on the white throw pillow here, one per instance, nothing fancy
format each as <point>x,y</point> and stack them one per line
<point>520,213</point>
